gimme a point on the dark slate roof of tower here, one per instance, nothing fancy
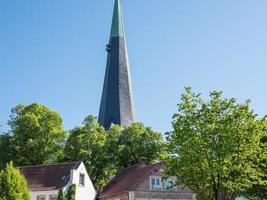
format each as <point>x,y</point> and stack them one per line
<point>117,103</point>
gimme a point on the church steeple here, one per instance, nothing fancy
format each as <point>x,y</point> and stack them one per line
<point>117,103</point>
<point>117,29</point>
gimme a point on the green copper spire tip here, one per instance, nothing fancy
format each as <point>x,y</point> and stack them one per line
<point>117,29</point>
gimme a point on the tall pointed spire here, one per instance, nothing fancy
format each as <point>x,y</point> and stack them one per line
<point>117,103</point>
<point>117,29</point>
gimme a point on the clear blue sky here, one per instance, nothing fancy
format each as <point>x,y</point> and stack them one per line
<point>53,52</point>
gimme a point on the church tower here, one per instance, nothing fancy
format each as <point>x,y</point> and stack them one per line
<point>117,101</point>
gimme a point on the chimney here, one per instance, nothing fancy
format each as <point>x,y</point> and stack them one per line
<point>143,162</point>
<point>100,190</point>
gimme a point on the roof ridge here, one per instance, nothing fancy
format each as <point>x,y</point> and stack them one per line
<point>121,171</point>
<point>141,179</point>
<point>46,165</point>
<point>132,166</point>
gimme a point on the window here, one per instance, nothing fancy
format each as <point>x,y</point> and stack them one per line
<point>52,197</point>
<point>82,180</point>
<point>155,182</point>
<point>169,184</point>
<point>41,197</point>
<point>131,196</point>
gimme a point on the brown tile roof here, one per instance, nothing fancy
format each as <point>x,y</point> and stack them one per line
<point>48,177</point>
<point>128,179</point>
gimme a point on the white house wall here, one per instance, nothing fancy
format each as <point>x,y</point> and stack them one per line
<point>46,193</point>
<point>86,192</point>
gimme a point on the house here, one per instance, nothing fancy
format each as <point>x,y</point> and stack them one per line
<point>144,182</point>
<point>44,181</point>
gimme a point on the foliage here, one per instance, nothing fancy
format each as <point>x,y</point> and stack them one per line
<point>13,185</point>
<point>215,146</point>
<point>87,143</point>
<point>137,141</point>
<point>259,190</point>
<point>37,135</point>
<point>105,153</point>
<point>5,152</point>
<point>61,195</point>
<point>71,192</point>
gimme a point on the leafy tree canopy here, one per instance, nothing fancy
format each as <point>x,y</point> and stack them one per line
<point>5,151</point>
<point>87,143</point>
<point>215,146</point>
<point>13,185</point>
<point>258,191</point>
<point>137,141</point>
<point>37,135</point>
<point>105,153</point>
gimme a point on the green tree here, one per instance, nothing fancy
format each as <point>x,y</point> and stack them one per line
<point>258,191</point>
<point>13,185</point>
<point>5,151</point>
<point>88,144</point>
<point>61,195</point>
<point>215,146</point>
<point>37,135</point>
<point>105,153</point>
<point>137,141</point>
<point>71,192</point>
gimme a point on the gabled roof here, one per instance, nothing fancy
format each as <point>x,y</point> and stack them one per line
<point>129,178</point>
<point>48,177</point>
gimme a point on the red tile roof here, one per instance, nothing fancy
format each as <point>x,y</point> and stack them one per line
<point>129,178</point>
<point>48,177</point>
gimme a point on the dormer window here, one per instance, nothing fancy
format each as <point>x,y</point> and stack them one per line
<point>155,182</point>
<point>82,180</point>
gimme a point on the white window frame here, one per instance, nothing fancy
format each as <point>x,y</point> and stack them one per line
<point>151,182</point>
<point>38,197</point>
<point>131,195</point>
<point>52,196</point>
<point>81,184</point>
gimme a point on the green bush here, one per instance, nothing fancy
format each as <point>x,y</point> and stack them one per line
<point>61,195</point>
<point>70,195</point>
<point>13,185</point>
<point>71,192</point>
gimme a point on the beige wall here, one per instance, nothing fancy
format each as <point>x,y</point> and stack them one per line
<point>123,196</point>
<point>144,192</point>
<point>142,195</point>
